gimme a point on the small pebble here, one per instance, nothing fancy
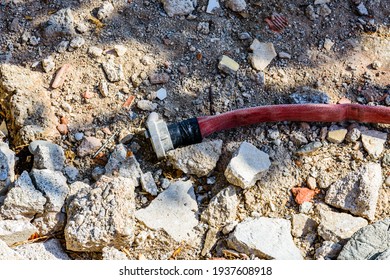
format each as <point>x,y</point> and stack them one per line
<point>387,181</point>
<point>311,182</point>
<point>161,94</point>
<point>62,128</point>
<point>120,50</point>
<point>78,136</point>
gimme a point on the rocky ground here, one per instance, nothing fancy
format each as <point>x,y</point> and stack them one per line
<point>79,180</point>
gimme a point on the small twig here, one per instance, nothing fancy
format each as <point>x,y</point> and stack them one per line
<point>105,144</point>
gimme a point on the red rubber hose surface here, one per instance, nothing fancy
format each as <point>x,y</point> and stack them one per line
<point>294,112</point>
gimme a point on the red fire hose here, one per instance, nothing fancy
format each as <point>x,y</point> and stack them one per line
<point>166,137</point>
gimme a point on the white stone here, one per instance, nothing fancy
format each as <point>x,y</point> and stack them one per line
<point>120,50</point>
<point>247,166</point>
<point>267,238</point>
<point>161,93</point>
<point>263,54</point>
<point>13,231</point>
<point>95,51</point>
<point>302,225</point>
<point>111,253</point>
<point>212,4</point>
<point>236,5</point>
<point>373,142</point>
<point>148,184</point>
<point>7,166</point>
<point>6,253</point>
<point>105,10</point>
<point>362,10</point>
<point>47,155</point>
<point>48,64</point>
<point>179,7</point>
<point>173,210</point>
<point>146,105</point>
<point>48,250</point>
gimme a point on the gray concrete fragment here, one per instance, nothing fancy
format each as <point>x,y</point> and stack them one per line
<point>368,242</point>
<point>148,184</point>
<point>23,200</point>
<point>328,251</point>
<point>105,10</point>
<point>247,166</point>
<point>101,215</point>
<point>236,5</point>
<point>120,164</point>
<point>263,54</point>
<point>88,146</point>
<point>6,253</point>
<point>302,225</point>
<point>48,250</point>
<point>7,166</point>
<point>222,208</point>
<point>179,7</point>
<point>173,210</point>
<point>111,253</point>
<point>267,238</point>
<point>47,155</point>
<point>373,142</point>
<point>210,240</point>
<point>358,191</point>
<point>198,159</point>
<point>12,231</point>
<point>114,72</point>
<point>59,24</point>
<point>338,227</point>
<point>306,95</point>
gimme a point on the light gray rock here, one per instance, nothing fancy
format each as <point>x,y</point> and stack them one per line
<point>111,253</point>
<point>263,54</point>
<point>328,251</point>
<point>120,50</point>
<point>337,135</point>
<point>88,146</point>
<point>120,164</point>
<point>198,159</point>
<point>222,208</point>
<point>247,166</point>
<point>338,227</point>
<point>236,5</point>
<point>105,11</point>
<point>266,238</point>
<point>114,71</point>
<point>302,225</point>
<point>358,191</point>
<point>48,64</point>
<point>146,105</point>
<point>368,242</point>
<point>60,24</point>
<point>7,166</point>
<point>309,149</point>
<point>71,173</point>
<point>210,240</point>
<point>47,155</point>
<point>179,7</point>
<point>353,135</point>
<point>304,95</point>
<point>6,253</point>
<point>148,184</point>
<point>173,210</point>
<point>362,10</point>
<point>23,200</point>
<point>298,138</point>
<point>12,231</point>
<point>101,215</point>
<point>373,142</point>
<point>76,42</point>
<point>48,250</point>
<point>95,51</point>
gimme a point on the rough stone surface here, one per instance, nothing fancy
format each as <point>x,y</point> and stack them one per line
<point>114,72</point>
<point>47,155</point>
<point>358,191</point>
<point>267,238</point>
<point>222,208</point>
<point>173,210</point>
<point>306,95</point>
<point>339,227</point>
<point>148,184</point>
<point>146,105</point>
<point>247,166</point>
<point>368,242</point>
<point>263,54</point>
<point>12,231</point>
<point>302,225</point>
<point>111,253</point>
<point>384,255</point>
<point>23,200</point>
<point>337,136</point>
<point>60,24</point>
<point>373,142</point>
<point>210,240</point>
<point>179,7</point>
<point>7,167</point>
<point>353,135</point>
<point>101,216</point>
<point>236,5</point>
<point>105,10</point>
<point>309,149</point>
<point>6,253</point>
<point>328,251</point>
<point>198,159</point>
<point>120,164</point>
<point>48,250</point>
<point>88,146</point>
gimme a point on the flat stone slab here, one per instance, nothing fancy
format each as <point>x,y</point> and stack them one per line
<point>266,238</point>
<point>368,243</point>
<point>173,210</point>
<point>101,215</point>
<point>358,191</point>
<point>247,166</point>
<point>198,159</point>
<point>263,54</point>
<point>339,227</point>
<point>48,250</point>
<point>13,231</point>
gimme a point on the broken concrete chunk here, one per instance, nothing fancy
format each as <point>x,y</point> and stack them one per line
<point>148,184</point>
<point>222,208</point>
<point>368,242</point>
<point>267,238</point>
<point>210,240</point>
<point>7,166</point>
<point>179,7</point>
<point>212,5</point>
<point>328,251</point>
<point>48,250</point>
<point>161,93</point>
<point>146,105</point>
<point>263,54</point>
<point>339,227</point>
<point>47,155</point>
<point>88,146</point>
<point>173,210</point>
<point>101,216</point>
<point>373,142</point>
<point>114,72</point>
<point>304,95</point>
<point>228,65</point>
<point>59,24</point>
<point>198,159</point>
<point>6,253</point>
<point>120,50</point>
<point>358,191</point>
<point>13,231</point>
<point>337,136</point>
<point>236,5</point>
<point>111,253</point>
<point>105,10</point>
<point>247,166</point>
<point>302,225</point>
<point>23,200</point>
